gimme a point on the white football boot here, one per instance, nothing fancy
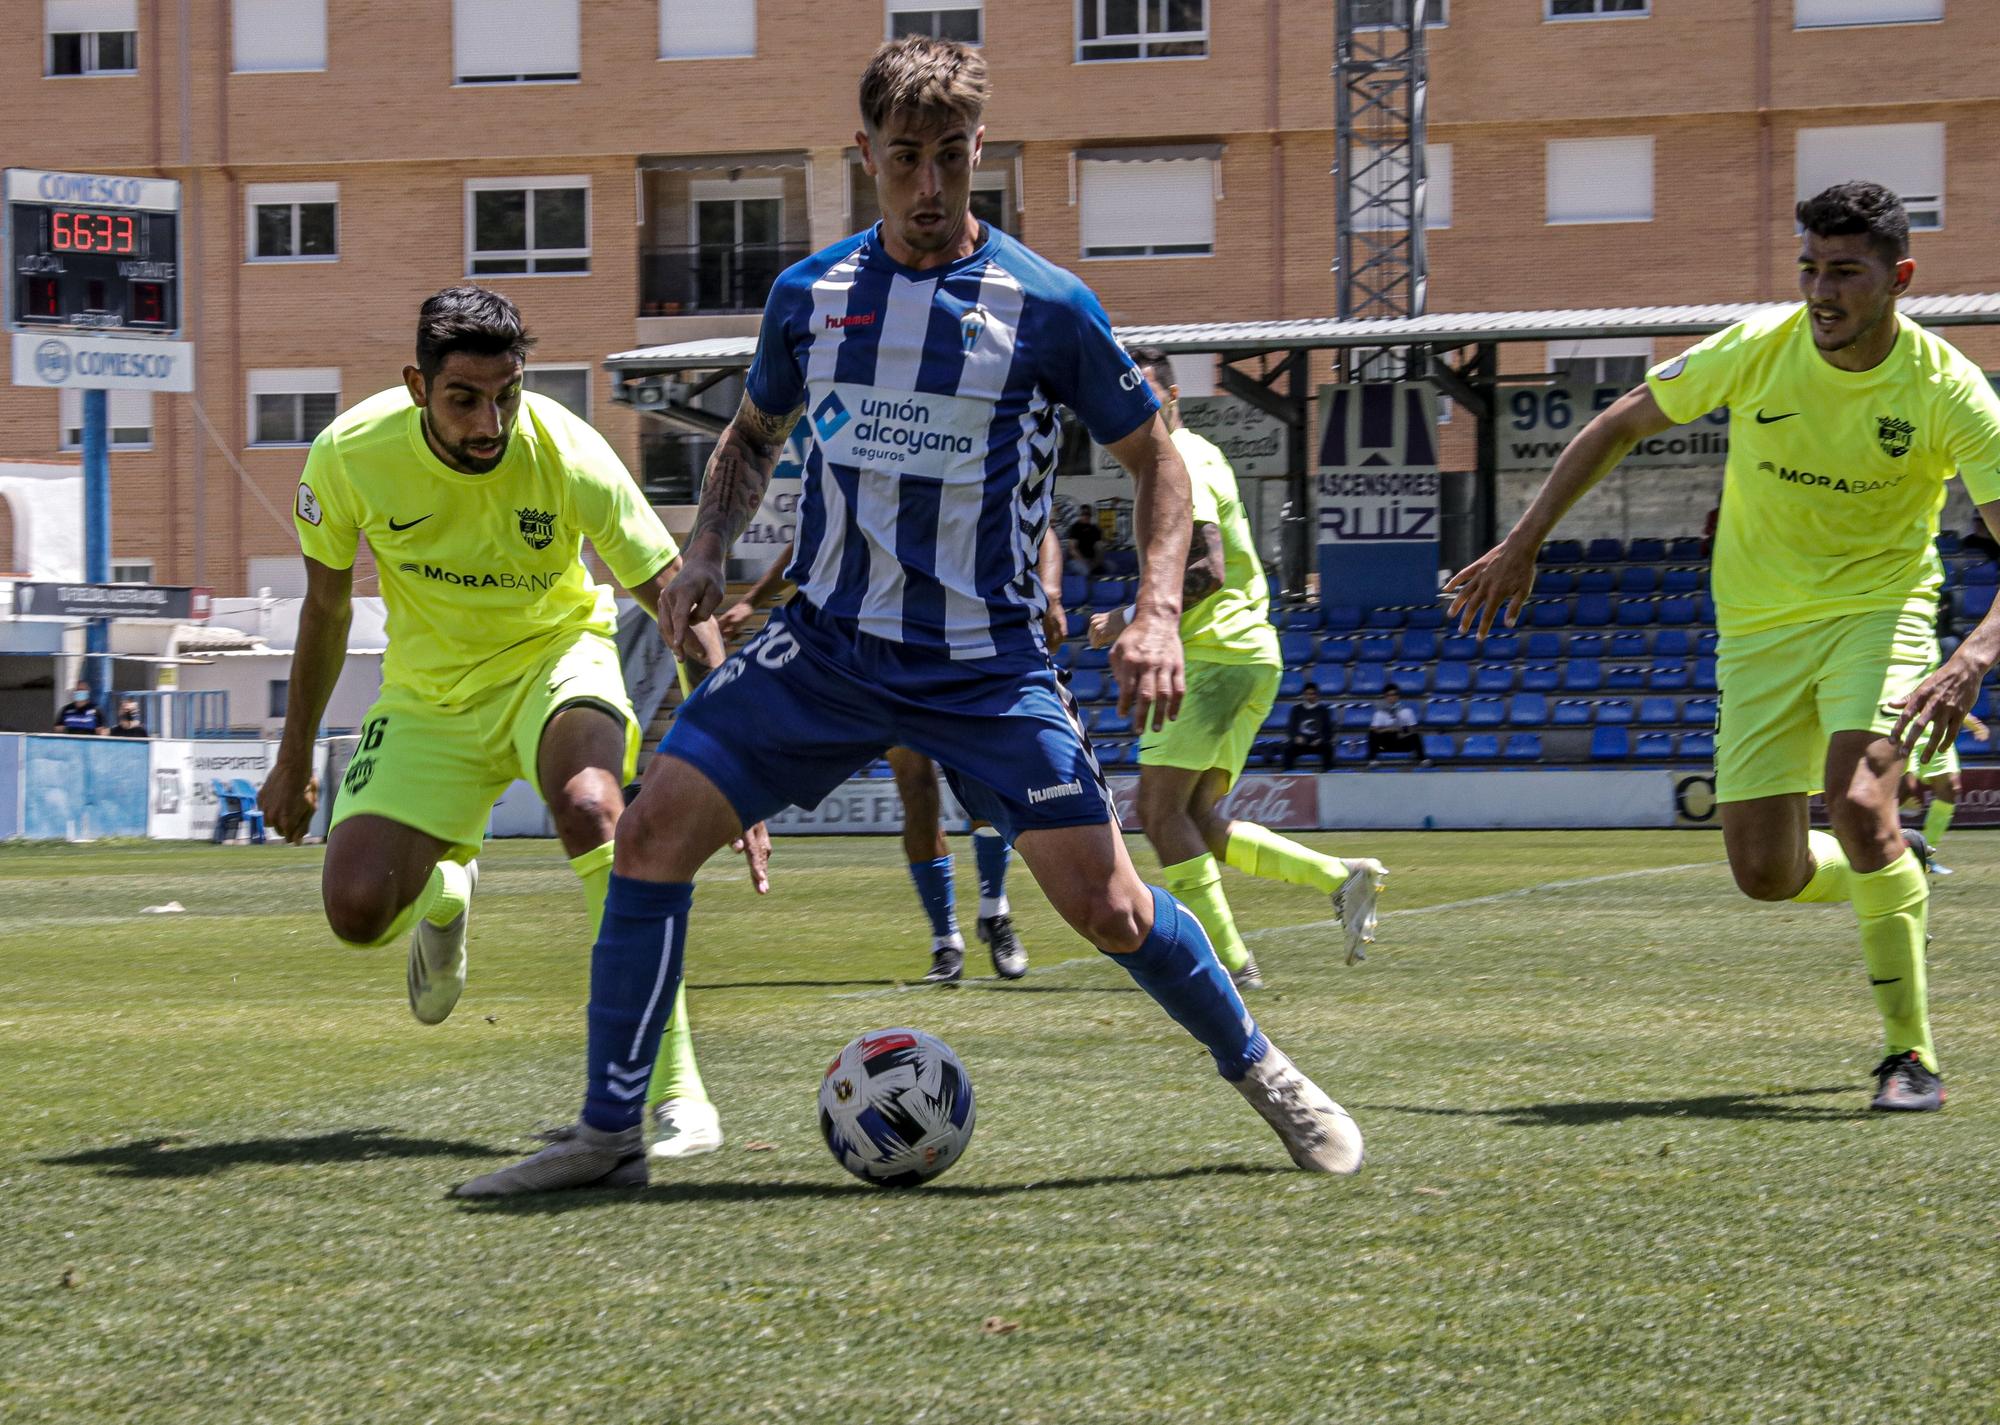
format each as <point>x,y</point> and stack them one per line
<point>685,1128</point>
<point>582,1157</point>
<point>1316,1131</point>
<point>437,960</point>
<point>1354,905</point>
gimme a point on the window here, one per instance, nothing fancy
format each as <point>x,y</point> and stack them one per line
<point>1388,174</point>
<point>945,22</point>
<point>527,226</point>
<point>1906,158</point>
<point>279,35</point>
<point>91,36</point>
<point>1600,180</point>
<point>292,222</point>
<point>131,571</point>
<point>1141,29</point>
<point>280,694</point>
<point>569,385</point>
<point>129,413</point>
<point>1602,361</point>
<point>1594,9</point>
<point>291,407</point>
<point>1827,14</point>
<point>516,41</point>
<point>708,29</point>
<point>1394,14</point>
<point>1147,202</point>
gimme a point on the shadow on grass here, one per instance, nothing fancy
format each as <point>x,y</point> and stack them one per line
<point>697,988</point>
<point>1570,1115</point>
<point>166,1158</point>
<point>680,1194</point>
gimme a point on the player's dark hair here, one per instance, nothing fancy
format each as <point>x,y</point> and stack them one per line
<point>1859,207</point>
<point>1310,688</point>
<point>936,79</point>
<point>1151,358</point>
<point>469,319</point>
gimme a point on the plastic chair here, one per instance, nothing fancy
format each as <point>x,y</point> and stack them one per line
<point>1523,747</point>
<point>1540,678</point>
<point>1677,610</point>
<point>1297,649</point>
<point>1654,746</point>
<point>1376,650</point>
<point>1493,678</point>
<point>1367,680</point>
<point>1458,647</point>
<point>1351,749</point>
<point>1293,683</point>
<point>1444,712</point>
<point>1646,550</point>
<point>1481,746</point>
<point>1596,581</point>
<point>1409,679</point>
<point>1633,613</point>
<point>1548,613</point>
<point>1485,712</point>
<point>1340,618</point>
<point>1605,551</point>
<point>1699,712</point>
<point>1628,645</point>
<point>1452,678</point>
<point>1625,676</point>
<point>1419,645</point>
<point>1668,676</point>
<point>1672,643</point>
<point>1638,579</point>
<point>1554,583</point>
<point>1593,611</point>
<point>1698,744</point>
<point>1571,712</point>
<point>1562,551</point>
<point>236,805</point>
<point>1384,618</point>
<point>1086,685</point>
<point>1582,675</point>
<point>1610,744</point>
<point>1355,717</point>
<point>1546,647</point>
<point>1300,620</point>
<point>1617,711</point>
<point>1331,678</point>
<point>1587,645</point>
<point>1501,647</point>
<point>1336,650</point>
<point>1439,747</point>
<point>1528,710</point>
<point>1658,712</point>
<point>1685,546</point>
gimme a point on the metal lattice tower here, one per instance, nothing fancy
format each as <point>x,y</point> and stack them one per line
<point>1380,76</point>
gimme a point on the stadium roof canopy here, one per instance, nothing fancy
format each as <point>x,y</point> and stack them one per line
<point>1447,329</point>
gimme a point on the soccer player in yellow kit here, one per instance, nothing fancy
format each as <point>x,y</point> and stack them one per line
<point>1233,667</point>
<point>475,497</point>
<point>1846,419</point>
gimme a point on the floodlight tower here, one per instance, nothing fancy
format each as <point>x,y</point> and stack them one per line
<point>1380,75</point>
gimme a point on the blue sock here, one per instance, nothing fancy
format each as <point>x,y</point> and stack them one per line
<point>635,972</point>
<point>1177,966</point>
<point>933,880</point>
<point>992,852</point>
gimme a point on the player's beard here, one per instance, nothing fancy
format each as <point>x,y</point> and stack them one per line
<point>459,456</point>
<point>1844,336</point>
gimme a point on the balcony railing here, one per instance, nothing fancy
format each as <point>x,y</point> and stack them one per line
<point>682,281</point>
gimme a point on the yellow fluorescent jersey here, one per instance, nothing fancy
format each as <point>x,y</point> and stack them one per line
<point>1835,478</point>
<point>482,575</point>
<point>1233,625</point>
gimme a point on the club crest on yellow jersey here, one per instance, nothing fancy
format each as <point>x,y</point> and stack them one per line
<point>538,528</point>
<point>1894,435</point>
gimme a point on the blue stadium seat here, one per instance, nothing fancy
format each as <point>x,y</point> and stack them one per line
<point>1699,712</point>
<point>1685,546</point>
<point>1656,746</point>
<point>1587,645</point>
<point>1099,658</point>
<point>1593,611</point>
<point>1418,645</point>
<point>1982,706</point>
<point>1087,685</point>
<point>1638,579</point>
<point>1356,716</point>
<point>1122,563</point>
<point>1646,550</point>
<point>1330,677</point>
<point>1111,723</point>
<point>1678,610</point>
<point>1705,642</point>
<point>1293,683</point>
<point>1628,645</point>
<point>1667,675</point>
<point>1680,581</point>
<point>1658,712</point>
<point>1615,711</point>
<point>1672,643</point>
<point>1367,680</point>
<point>1299,620</point>
<point>1297,648</point>
<point>1075,590</point>
<point>1528,710</point>
<point>1110,593</point>
<point>1582,675</point>
<point>1985,571</point>
<point>1523,747</point>
<point>1439,747</point>
<point>1444,712</point>
<point>1545,647</point>
<point>1596,581</point>
<point>1481,746</point>
<point>1066,655</point>
<point>1698,745</point>
<point>1975,601</point>
<point>1385,618</point>
<point>1501,647</point>
<point>1459,647</point>
<point>1704,674</point>
<point>1430,616</point>
<point>1571,712</point>
<point>1704,610</point>
<point>1634,612</point>
<point>1610,744</point>
<point>1409,679</point>
<point>1493,678</point>
<point>1377,649</point>
<point>1562,551</point>
<point>1625,675</point>
<point>1485,712</point>
<point>1548,613</point>
<point>1351,749</point>
<point>1605,551</point>
<point>1340,618</point>
<point>1540,678</point>
<point>1554,583</point>
<point>1110,754</point>
<point>1970,746</point>
<point>1336,650</point>
<point>1277,718</point>
<point>1079,623</point>
<point>1453,678</point>
<point>1947,542</point>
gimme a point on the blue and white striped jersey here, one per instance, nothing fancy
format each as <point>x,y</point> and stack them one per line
<point>931,398</point>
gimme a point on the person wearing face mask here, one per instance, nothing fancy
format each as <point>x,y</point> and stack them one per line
<point>81,715</point>
<point>129,724</point>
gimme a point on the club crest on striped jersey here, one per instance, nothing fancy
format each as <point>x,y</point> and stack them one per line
<point>970,326</point>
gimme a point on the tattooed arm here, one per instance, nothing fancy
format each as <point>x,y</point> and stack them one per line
<point>737,474</point>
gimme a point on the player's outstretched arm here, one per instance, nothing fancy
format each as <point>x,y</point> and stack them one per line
<point>1502,577</point>
<point>1938,707</point>
<point>1147,656</point>
<point>772,588</point>
<point>289,794</point>
<point>730,493</point>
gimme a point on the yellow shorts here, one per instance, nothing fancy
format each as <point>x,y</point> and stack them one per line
<point>1786,691</point>
<point>440,769</point>
<point>1221,715</point>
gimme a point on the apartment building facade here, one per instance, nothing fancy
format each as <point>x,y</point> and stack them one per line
<point>637,171</point>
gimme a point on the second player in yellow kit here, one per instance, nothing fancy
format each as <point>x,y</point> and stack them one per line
<point>1845,421</point>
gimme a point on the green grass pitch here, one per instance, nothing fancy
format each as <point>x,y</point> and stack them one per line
<point>1619,1168</point>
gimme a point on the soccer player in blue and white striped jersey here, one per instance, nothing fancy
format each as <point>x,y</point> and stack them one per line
<point>929,355</point>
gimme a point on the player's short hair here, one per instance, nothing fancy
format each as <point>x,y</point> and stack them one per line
<point>1310,688</point>
<point>1859,207</point>
<point>1151,358</point>
<point>938,79</point>
<point>470,319</point>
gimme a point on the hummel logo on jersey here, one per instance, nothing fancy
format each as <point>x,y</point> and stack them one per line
<point>830,416</point>
<point>1764,420</point>
<point>858,319</point>
<point>399,528</point>
<point>1037,795</point>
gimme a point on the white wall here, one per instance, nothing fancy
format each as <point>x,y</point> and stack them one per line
<point>246,677</point>
<point>47,505</point>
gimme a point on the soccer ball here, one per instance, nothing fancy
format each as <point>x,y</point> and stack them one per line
<point>895,1107</point>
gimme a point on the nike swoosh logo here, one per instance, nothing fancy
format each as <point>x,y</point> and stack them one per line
<point>1897,981</point>
<point>399,528</point>
<point>1764,420</point>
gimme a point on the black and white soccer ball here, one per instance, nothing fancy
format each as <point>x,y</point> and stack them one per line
<point>895,1107</point>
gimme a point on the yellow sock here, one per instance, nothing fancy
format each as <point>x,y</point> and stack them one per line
<point>1938,820</point>
<point>1197,884</point>
<point>442,900</point>
<point>1892,905</point>
<point>1258,851</point>
<point>1831,876</point>
<point>675,1073</point>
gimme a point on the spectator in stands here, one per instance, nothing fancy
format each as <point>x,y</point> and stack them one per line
<point>1309,729</point>
<point>1085,544</point>
<point>1979,541</point>
<point>129,722</point>
<point>81,715</point>
<point>1394,727</point>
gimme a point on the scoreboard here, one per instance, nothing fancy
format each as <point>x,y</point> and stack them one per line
<point>90,253</point>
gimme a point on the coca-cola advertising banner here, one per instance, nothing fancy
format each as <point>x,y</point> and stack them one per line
<point>1285,802</point>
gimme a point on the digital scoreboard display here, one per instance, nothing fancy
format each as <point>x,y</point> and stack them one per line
<point>92,255</point>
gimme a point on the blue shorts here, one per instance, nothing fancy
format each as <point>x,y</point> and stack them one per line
<point>806,704</point>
